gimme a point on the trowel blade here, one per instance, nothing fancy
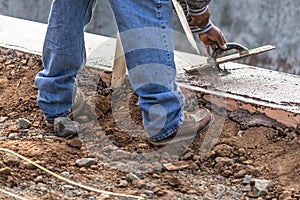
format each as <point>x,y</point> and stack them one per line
<point>214,64</point>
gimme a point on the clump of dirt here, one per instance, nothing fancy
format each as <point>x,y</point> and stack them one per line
<point>123,161</point>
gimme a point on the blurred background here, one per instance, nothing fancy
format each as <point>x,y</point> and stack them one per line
<point>252,23</point>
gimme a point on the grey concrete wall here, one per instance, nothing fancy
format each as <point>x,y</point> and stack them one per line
<point>252,23</point>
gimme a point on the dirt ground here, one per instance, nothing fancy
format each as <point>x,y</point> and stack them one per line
<point>122,161</point>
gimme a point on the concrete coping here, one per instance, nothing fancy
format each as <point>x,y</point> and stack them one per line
<point>273,93</point>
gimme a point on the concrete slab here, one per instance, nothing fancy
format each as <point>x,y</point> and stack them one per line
<point>246,87</point>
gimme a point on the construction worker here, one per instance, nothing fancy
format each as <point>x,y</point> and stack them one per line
<point>147,37</point>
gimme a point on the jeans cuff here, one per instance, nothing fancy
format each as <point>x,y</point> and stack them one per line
<point>162,136</point>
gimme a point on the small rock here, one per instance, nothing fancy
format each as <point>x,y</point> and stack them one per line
<point>42,186</point>
<point>131,177</point>
<point>240,134</point>
<point>2,164</point>
<point>119,155</point>
<point>14,128</point>
<point>139,183</point>
<point>247,180</point>
<point>188,156</point>
<point>12,136</point>
<point>68,187</point>
<point>65,174</point>
<point>165,157</point>
<point>2,60</point>
<point>85,162</point>
<point>148,193</point>
<point>65,127</point>
<point>3,119</point>
<point>23,123</point>
<point>242,151</point>
<point>82,118</point>
<point>175,166</point>
<point>75,143</point>
<point>29,166</point>
<point>226,173</point>
<point>11,160</point>
<point>240,174</point>
<point>156,189</point>
<point>123,183</point>
<point>3,138</point>
<point>223,150</point>
<point>287,195</point>
<point>246,188</point>
<point>224,161</point>
<point>39,179</point>
<point>261,187</point>
<point>5,171</point>
<point>31,63</point>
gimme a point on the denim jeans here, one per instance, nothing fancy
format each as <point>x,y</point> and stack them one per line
<point>147,38</point>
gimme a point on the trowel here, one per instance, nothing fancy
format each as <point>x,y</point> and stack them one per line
<point>213,61</point>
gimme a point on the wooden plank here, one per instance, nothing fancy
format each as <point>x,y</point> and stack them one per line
<point>119,66</point>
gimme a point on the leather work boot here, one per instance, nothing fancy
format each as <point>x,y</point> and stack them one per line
<point>193,124</point>
<point>76,108</point>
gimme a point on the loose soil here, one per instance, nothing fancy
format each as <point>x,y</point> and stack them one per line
<point>116,139</point>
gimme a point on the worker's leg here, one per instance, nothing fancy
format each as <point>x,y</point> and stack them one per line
<point>146,34</point>
<point>63,56</point>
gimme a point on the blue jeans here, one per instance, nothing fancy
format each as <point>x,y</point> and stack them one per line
<point>147,38</point>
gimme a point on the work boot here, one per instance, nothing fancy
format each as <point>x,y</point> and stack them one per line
<point>193,124</point>
<point>76,108</point>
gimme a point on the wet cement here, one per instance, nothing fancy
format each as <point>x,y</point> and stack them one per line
<point>248,120</point>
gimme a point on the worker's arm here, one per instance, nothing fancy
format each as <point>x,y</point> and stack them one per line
<point>199,14</point>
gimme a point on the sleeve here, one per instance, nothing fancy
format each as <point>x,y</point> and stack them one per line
<point>197,7</point>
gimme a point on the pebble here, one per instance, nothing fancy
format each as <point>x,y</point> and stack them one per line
<point>11,160</point>
<point>39,179</point>
<point>240,174</point>
<point>5,170</point>
<point>67,187</point>
<point>2,164</point>
<point>226,173</point>
<point>13,128</point>
<point>3,138</point>
<point>119,155</point>
<point>188,156</point>
<point>12,136</point>
<point>2,119</point>
<point>175,166</point>
<point>223,150</point>
<point>261,187</point>
<point>285,196</point>
<point>247,180</point>
<point>139,183</point>
<point>65,127</point>
<point>224,161</point>
<point>85,162</point>
<point>131,177</point>
<point>240,134</point>
<point>23,123</point>
<point>75,143</point>
<point>148,193</point>
<point>123,183</point>
<point>65,174</point>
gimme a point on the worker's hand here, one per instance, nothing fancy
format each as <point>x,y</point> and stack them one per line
<point>212,39</point>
